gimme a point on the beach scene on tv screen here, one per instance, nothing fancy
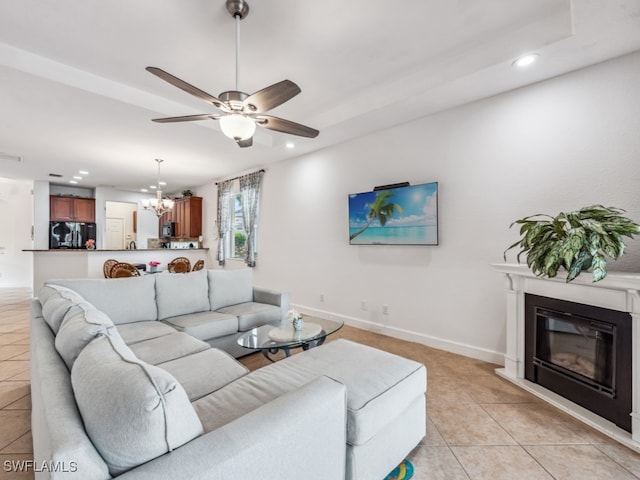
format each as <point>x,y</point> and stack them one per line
<point>396,216</point>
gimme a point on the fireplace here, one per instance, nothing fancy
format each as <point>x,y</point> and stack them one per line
<point>582,353</point>
<point>619,293</point>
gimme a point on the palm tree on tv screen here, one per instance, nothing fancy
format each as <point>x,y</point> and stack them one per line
<point>380,209</point>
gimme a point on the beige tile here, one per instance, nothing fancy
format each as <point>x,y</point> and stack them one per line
<point>499,463</point>
<point>11,368</point>
<point>13,424</point>
<point>468,424</point>
<point>8,338</point>
<point>539,423</point>
<point>622,456</point>
<point>446,390</point>
<point>24,444</point>
<point>9,352</point>
<point>435,463</point>
<point>23,404</point>
<point>433,436</point>
<point>16,467</point>
<point>493,389</point>
<point>12,391</point>
<point>578,462</point>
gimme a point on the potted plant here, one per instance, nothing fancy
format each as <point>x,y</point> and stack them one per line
<point>575,240</point>
<point>187,193</point>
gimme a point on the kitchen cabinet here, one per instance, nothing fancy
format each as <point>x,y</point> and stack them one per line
<point>187,215</point>
<point>72,209</point>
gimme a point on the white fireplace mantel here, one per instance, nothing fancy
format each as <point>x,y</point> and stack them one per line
<point>617,291</point>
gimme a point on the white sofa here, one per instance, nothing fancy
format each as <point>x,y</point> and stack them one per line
<point>118,393</point>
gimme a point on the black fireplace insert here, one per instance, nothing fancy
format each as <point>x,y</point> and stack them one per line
<point>582,353</point>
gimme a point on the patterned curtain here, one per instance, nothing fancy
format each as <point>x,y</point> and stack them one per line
<point>250,195</point>
<point>223,220</point>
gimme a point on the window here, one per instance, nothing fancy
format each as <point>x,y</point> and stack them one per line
<point>238,235</point>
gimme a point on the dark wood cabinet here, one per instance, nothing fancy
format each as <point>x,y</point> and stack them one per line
<point>72,209</point>
<point>187,215</point>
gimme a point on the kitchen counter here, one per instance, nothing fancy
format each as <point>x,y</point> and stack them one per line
<point>83,263</point>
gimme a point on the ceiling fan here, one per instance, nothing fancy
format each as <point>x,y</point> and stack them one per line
<point>241,113</point>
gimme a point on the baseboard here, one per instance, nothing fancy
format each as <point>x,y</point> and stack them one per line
<point>430,341</point>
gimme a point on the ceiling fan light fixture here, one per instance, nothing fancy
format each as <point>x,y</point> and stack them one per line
<point>237,126</point>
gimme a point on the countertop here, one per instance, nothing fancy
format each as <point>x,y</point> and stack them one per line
<point>138,250</point>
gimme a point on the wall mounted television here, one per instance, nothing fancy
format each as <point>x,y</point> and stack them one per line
<point>405,215</point>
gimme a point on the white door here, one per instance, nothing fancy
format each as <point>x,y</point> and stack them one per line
<point>115,233</point>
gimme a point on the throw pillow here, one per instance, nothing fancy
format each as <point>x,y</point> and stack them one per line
<point>133,412</point>
<point>81,324</point>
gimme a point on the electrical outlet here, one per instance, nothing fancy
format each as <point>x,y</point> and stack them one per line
<point>363,305</point>
<point>322,297</point>
<point>385,309</point>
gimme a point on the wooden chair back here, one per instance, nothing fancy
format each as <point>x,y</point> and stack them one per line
<point>107,266</point>
<point>179,265</point>
<point>199,265</point>
<point>124,269</point>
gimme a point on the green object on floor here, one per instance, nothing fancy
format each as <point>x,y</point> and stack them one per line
<point>404,471</point>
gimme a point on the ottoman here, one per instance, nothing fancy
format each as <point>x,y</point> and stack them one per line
<point>386,410</point>
<point>386,405</point>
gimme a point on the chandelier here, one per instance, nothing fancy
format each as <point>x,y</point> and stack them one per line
<point>158,205</point>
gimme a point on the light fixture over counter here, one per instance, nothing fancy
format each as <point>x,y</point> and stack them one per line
<point>158,205</point>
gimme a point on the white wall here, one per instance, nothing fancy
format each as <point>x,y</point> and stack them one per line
<point>558,145</point>
<point>16,212</point>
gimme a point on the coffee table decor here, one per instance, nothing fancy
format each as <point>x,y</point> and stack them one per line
<point>296,319</point>
<point>271,339</point>
<point>290,332</point>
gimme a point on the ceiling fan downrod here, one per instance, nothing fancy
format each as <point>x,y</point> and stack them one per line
<point>238,9</point>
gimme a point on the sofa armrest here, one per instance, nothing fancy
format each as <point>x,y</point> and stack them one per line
<point>301,431</point>
<point>272,297</point>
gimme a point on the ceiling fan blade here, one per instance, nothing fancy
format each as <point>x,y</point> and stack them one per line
<point>285,126</point>
<point>187,118</point>
<point>272,96</point>
<point>245,143</point>
<point>187,87</point>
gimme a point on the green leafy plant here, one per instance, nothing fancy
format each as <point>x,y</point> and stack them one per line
<point>381,209</point>
<point>576,240</point>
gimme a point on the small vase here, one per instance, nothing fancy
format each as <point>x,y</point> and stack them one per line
<point>298,323</point>
<point>91,247</point>
<point>153,269</point>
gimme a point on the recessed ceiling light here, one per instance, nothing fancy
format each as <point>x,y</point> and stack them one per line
<point>144,190</point>
<point>290,145</point>
<point>152,187</point>
<point>525,60</point>
<point>77,177</point>
<point>73,181</point>
<point>162,183</point>
<point>83,172</point>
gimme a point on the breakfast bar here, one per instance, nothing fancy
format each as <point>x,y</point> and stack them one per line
<point>83,263</point>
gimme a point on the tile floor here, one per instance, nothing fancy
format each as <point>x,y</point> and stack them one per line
<point>479,426</point>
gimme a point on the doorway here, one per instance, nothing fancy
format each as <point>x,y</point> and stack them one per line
<point>120,225</point>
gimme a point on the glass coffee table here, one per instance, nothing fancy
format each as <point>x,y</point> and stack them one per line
<point>270,339</point>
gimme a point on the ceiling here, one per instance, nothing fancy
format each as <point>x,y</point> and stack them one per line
<point>74,93</point>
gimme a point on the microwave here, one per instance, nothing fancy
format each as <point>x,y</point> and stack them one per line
<point>169,229</point>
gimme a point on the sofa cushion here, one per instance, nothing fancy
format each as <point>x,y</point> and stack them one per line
<point>139,331</point>
<point>182,294</point>
<point>205,372</point>
<point>253,314</point>
<point>230,287</point>
<point>57,302</point>
<point>205,325</point>
<point>168,347</point>
<point>80,325</point>
<point>124,300</point>
<point>133,412</point>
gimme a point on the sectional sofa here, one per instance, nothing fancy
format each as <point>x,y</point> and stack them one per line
<point>125,387</point>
